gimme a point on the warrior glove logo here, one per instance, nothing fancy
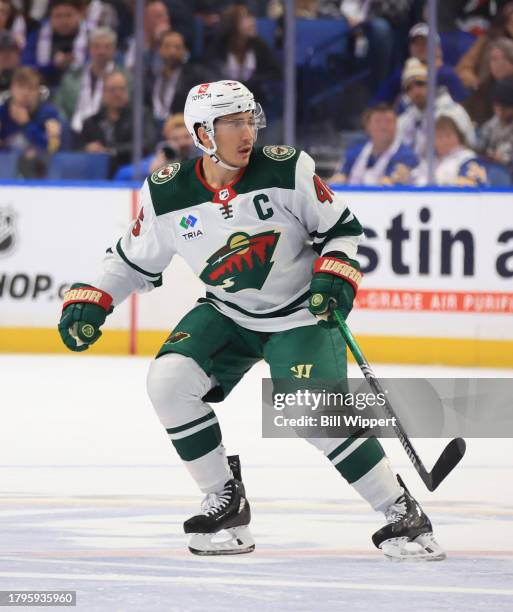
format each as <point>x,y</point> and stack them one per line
<point>243,263</point>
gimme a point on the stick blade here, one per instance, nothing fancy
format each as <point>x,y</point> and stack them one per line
<point>448,460</point>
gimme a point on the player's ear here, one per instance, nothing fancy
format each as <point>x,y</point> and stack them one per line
<point>204,139</point>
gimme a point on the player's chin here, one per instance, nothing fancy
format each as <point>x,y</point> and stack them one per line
<point>243,157</point>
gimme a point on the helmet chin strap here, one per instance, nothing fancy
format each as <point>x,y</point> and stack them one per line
<point>217,160</point>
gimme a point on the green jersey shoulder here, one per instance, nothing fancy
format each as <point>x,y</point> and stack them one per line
<point>270,166</point>
<point>177,186</point>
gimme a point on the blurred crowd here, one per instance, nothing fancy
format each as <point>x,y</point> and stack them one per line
<point>66,85</point>
<point>473,107</point>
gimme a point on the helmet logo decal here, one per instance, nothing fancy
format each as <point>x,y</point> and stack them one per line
<point>203,88</point>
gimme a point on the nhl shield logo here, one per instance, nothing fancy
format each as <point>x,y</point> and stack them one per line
<point>7,231</point>
<point>224,194</point>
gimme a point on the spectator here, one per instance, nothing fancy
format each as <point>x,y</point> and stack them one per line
<point>472,17</point>
<point>167,90</point>
<point>100,14</point>
<point>80,93</point>
<point>446,76</point>
<point>455,164</point>
<point>26,120</point>
<point>156,21</point>
<point>495,141</point>
<point>240,55</point>
<point>12,21</point>
<point>381,159</point>
<point>412,123</point>
<point>60,43</point>
<point>307,9</point>
<point>10,56</point>
<point>177,145</point>
<point>110,130</point>
<point>373,35</point>
<point>473,67</point>
<point>499,66</point>
<point>24,9</point>
<point>183,18</point>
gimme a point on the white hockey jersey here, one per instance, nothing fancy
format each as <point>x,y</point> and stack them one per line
<point>252,242</point>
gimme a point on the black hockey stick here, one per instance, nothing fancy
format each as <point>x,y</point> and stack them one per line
<point>452,453</point>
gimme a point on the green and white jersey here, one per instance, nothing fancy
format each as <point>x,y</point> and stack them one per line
<point>251,242</point>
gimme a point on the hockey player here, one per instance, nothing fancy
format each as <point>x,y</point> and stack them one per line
<point>276,249</point>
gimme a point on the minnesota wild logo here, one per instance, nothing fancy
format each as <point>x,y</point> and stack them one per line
<point>279,152</point>
<point>243,263</point>
<point>175,337</point>
<point>166,173</point>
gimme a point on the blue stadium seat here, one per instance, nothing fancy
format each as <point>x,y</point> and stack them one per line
<point>266,29</point>
<point>318,38</point>
<point>455,44</point>
<point>85,166</point>
<point>8,164</point>
<point>199,39</point>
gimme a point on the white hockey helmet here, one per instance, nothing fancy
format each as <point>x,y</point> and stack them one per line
<point>208,101</point>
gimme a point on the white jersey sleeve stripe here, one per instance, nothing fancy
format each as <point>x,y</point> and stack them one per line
<point>152,275</point>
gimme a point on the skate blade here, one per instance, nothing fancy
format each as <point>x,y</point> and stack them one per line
<point>239,542</point>
<point>423,548</point>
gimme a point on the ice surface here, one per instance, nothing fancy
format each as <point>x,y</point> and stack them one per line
<point>93,498</point>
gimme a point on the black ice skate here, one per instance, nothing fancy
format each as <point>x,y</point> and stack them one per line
<point>408,535</point>
<point>226,511</point>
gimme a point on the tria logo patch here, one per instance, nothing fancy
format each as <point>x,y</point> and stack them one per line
<point>187,222</point>
<point>191,223</point>
<point>243,263</point>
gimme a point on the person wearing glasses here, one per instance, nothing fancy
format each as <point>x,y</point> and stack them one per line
<point>413,122</point>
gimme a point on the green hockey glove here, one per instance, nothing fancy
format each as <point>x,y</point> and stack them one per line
<point>334,285</point>
<point>84,311</point>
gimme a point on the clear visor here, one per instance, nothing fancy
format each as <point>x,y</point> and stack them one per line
<point>255,121</point>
